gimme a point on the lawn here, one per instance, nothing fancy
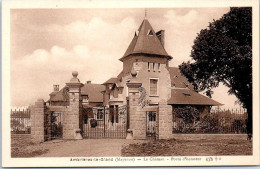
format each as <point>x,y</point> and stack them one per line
<point>26,149</point>
<point>192,145</point>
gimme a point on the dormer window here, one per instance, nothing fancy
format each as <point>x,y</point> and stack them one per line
<point>186,94</point>
<point>150,32</point>
<point>173,85</point>
<point>136,33</point>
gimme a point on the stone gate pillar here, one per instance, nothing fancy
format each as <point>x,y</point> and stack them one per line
<point>71,120</point>
<point>137,119</point>
<point>37,121</point>
<point>164,120</point>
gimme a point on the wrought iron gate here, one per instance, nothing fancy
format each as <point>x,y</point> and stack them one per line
<point>56,125</point>
<point>53,128</point>
<point>151,124</point>
<point>46,127</point>
<point>105,122</point>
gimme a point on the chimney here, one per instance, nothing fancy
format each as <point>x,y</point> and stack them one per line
<point>160,35</point>
<point>55,88</point>
<point>89,82</point>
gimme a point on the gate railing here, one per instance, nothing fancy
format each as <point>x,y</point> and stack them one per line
<point>53,128</point>
<point>231,121</point>
<point>56,125</point>
<point>103,123</point>
<point>20,121</point>
<point>151,124</point>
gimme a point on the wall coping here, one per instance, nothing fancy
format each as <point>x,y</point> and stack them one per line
<point>20,134</point>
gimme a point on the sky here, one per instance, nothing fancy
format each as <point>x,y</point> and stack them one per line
<point>48,44</point>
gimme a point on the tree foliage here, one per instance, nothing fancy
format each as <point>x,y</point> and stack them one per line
<point>222,53</point>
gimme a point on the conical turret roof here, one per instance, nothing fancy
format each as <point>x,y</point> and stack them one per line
<point>145,41</point>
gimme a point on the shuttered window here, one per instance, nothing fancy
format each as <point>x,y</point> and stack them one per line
<point>153,86</point>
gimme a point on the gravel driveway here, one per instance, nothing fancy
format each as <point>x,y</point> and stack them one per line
<point>86,147</point>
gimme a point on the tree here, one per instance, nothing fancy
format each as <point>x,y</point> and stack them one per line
<point>222,53</point>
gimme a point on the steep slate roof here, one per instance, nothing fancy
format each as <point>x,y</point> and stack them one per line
<point>60,95</point>
<point>186,96</point>
<point>178,79</point>
<point>93,91</point>
<point>143,43</point>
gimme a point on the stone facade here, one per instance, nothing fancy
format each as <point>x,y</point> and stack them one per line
<point>138,114</point>
<point>37,121</point>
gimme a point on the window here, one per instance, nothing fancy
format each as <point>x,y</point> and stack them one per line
<point>85,98</point>
<point>186,94</point>
<point>159,67</point>
<point>150,32</point>
<point>154,67</point>
<point>99,114</point>
<point>116,114</point>
<point>153,87</point>
<point>151,116</point>
<point>148,66</point>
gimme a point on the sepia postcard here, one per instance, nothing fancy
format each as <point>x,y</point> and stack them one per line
<point>130,83</point>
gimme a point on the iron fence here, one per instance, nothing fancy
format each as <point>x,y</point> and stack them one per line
<point>20,121</point>
<point>217,121</point>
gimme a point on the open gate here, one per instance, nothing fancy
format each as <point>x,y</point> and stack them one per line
<point>104,122</point>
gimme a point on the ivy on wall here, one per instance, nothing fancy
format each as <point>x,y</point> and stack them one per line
<point>188,114</point>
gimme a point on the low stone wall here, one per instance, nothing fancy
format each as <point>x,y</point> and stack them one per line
<point>16,138</point>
